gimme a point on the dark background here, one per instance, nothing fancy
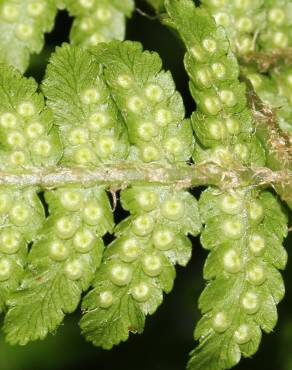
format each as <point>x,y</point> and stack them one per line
<point>168,335</point>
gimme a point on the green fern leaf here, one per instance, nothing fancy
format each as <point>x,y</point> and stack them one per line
<point>24,23</point>
<point>244,286</point>
<point>138,266</point>
<point>253,25</point>
<point>61,264</point>
<point>274,90</point>
<point>277,31</point>
<point>222,121</point>
<point>113,108</point>
<point>98,21</point>
<point>64,260</point>
<point>27,140</point>
<point>93,132</point>
<point>240,19</point>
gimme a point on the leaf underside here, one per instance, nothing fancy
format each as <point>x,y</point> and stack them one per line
<point>102,103</point>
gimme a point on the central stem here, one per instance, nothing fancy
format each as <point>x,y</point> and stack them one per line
<point>123,173</point>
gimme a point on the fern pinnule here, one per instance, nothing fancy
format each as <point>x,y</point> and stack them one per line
<point>138,265</point>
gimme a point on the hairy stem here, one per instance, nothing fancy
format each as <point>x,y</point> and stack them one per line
<point>123,174</point>
<point>278,145</point>
<point>266,60</point>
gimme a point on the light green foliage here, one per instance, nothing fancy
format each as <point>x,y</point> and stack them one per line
<point>113,106</point>
<point>153,110</point>
<point>242,19</point>
<point>23,24</point>
<point>253,24</point>
<point>26,126</point>
<point>273,31</point>
<point>274,90</point>
<point>27,138</point>
<point>244,286</point>
<point>244,233</point>
<point>282,78</point>
<point>63,262</point>
<point>89,122</point>
<point>138,265</point>
<point>222,121</point>
<point>22,217</point>
<point>277,31</point>
<point>98,20</point>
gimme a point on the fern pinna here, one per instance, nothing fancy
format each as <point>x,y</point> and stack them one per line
<point>244,285</point>
<point>109,118</point>
<point>25,23</point>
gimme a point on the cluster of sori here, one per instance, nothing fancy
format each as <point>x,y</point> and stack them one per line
<point>222,122</point>
<point>22,216</point>
<point>27,139</point>
<point>253,24</point>
<point>242,227</point>
<point>92,111</point>
<point>25,22</point>
<point>98,20</point>
<point>152,109</point>
<point>259,26</point>
<point>89,122</point>
<point>274,89</point>
<point>244,284</point>
<point>277,32</point>
<point>27,135</point>
<point>67,247</point>
<point>62,262</point>
<point>113,104</point>
<point>138,265</point>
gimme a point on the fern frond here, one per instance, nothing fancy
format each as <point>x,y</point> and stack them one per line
<point>273,90</point>
<point>62,263</point>
<point>64,260</point>
<point>91,126</point>
<point>277,31</point>
<point>244,286</point>
<point>274,33</point>
<point>241,20</point>
<point>244,232</point>
<point>138,266</point>
<point>27,138</point>
<point>24,23</point>
<point>98,20</point>
<point>114,107</point>
<point>223,123</point>
<point>273,122</point>
<point>253,25</point>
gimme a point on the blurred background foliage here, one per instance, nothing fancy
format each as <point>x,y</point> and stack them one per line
<point>168,335</point>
